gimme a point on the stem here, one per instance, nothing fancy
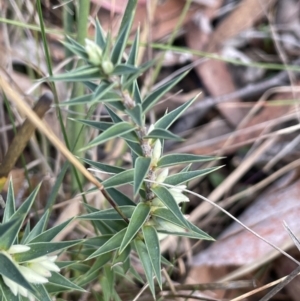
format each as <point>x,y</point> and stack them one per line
<point>74,128</point>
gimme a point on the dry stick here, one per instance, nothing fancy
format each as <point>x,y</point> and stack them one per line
<point>197,111</point>
<point>23,136</point>
<point>244,296</point>
<point>277,288</point>
<point>43,127</point>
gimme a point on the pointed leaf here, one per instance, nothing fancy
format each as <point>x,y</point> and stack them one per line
<point>119,179</point>
<point>50,234</point>
<point>163,134</point>
<point>168,200</point>
<point>120,44</point>
<point>141,169</point>
<point>9,232</point>
<point>136,114</point>
<point>120,198</point>
<point>76,50</point>
<point>38,228</point>
<point>116,119</point>
<point>167,120</point>
<point>101,125</point>
<point>154,96</point>
<point>184,177</point>
<point>132,78</point>
<point>43,248</point>
<point>122,69</point>
<point>153,247</point>
<point>187,233</point>
<point>59,280</point>
<point>136,93</point>
<point>41,293</point>
<point>84,99</point>
<point>104,167</point>
<point>137,220</point>
<point>9,270</point>
<point>99,36</point>
<point>80,74</point>
<point>109,214</point>
<point>122,258</point>
<point>10,206</point>
<point>134,49</point>
<point>111,245</point>
<point>116,130</point>
<point>23,210</point>
<point>146,262</point>
<point>175,159</point>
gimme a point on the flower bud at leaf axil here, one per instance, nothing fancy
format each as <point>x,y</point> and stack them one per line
<point>178,195</point>
<point>107,67</point>
<point>156,152</point>
<point>94,52</point>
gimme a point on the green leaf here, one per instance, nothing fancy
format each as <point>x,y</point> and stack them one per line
<point>84,73</point>
<point>49,235</point>
<point>153,247</point>
<point>136,114</point>
<point>137,220</point>
<point>187,233</point>
<point>26,205</point>
<point>120,198</point>
<point>132,78</point>
<point>9,270</point>
<point>141,169</point>
<point>184,177</point>
<point>163,134</point>
<point>38,228</point>
<point>59,280</point>
<point>101,125</point>
<point>10,203</point>
<point>109,214</point>
<point>119,179</point>
<point>134,49</point>
<point>146,262</point>
<point>166,214</point>
<point>104,89</point>
<point>154,96</point>
<point>136,93</point>
<point>99,36</point>
<point>43,248</point>
<point>135,147</point>
<point>175,159</point>
<point>168,200</point>
<point>41,293</point>
<point>116,130</point>
<point>84,99</point>
<point>76,50</point>
<point>167,120</point>
<point>104,167</point>
<point>122,69</point>
<point>9,232</point>
<point>120,43</point>
<point>119,259</point>
<point>116,119</point>
<point>111,245</point>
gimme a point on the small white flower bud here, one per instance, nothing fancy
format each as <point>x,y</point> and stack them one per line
<point>14,249</point>
<point>94,52</point>
<point>162,176</point>
<point>107,67</point>
<point>156,152</point>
